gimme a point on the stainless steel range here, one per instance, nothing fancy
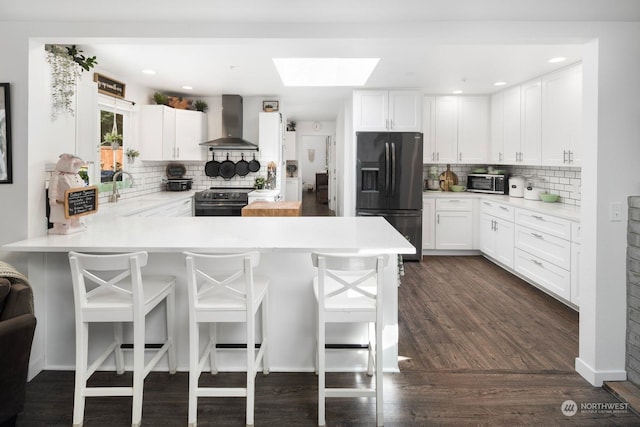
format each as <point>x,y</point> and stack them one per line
<point>221,201</point>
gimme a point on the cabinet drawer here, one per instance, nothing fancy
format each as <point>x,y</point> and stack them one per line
<point>551,277</point>
<point>454,204</point>
<point>546,223</point>
<point>498,210</point>
<point>544,246</point>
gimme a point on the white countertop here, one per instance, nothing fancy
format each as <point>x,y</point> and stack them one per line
<point>560,210</point>
<point>218,234</point>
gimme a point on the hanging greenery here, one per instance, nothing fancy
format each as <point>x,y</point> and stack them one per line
<point>67,63</point>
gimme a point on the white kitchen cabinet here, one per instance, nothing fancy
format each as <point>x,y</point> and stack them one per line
<point>576,254</point>
<point>562,117</point>
<point>428,129</point>
<point>461,130</point>
<point>530,124</point>
<point>497,232</point>
<point>387,110</point>
<point>543,251</point>
<point>496,134</point>
<point>428,223</point>
<point>290,149</point>
<point>170,134</point>
<point>473,129</point>
<point>270,137</point>
<point>454,224</point>
<point>504,145</point>
<point>292,190</point>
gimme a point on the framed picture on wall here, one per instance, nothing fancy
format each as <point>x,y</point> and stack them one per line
<point>269,106</point>
<point>5,135</point>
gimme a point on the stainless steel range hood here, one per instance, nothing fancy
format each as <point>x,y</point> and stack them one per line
<point>231,127</point>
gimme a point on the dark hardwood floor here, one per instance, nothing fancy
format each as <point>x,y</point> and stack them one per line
<point>311,207</point>
<point>477,346</point>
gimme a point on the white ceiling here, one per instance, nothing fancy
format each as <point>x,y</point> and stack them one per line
<point>239,65</point>
<point>245,67</point>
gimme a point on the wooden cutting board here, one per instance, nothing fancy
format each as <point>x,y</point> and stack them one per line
<point>447,179</point>
<point>272,209</point>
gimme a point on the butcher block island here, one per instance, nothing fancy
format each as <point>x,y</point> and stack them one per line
<point>272,209</point>
<point>285,245</point>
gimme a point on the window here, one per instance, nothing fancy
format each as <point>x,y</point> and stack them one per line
<point>114,122</point>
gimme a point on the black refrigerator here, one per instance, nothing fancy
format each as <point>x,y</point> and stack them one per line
<point>389,181</point>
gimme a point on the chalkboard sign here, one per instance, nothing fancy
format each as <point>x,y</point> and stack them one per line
<point>80,201</point>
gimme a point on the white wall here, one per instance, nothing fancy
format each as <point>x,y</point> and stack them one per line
<point>612,152</point>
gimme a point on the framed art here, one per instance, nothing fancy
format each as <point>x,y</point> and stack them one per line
<point>269,106</point>
<point>5,135</point>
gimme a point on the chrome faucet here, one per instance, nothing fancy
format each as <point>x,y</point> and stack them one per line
<point>115,195</point>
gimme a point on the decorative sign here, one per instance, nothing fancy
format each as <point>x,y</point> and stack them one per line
<point>109,86</point>
<point>80,201</point>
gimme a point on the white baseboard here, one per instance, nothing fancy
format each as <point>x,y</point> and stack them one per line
<point>597,378</point>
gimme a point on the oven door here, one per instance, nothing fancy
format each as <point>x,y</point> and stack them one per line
<point>218,209</point>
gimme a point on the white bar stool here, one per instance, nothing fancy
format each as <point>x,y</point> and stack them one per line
<point>118,294</point>
<point>223,288</point>
<point>348,289</point>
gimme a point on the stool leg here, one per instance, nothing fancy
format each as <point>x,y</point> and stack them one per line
<point>119,354</point>
<point>171,325</point>
<point>265,339</point>
<point>379,377</point>
<point>194,371</point>
<point>82,344</point>
<point>138,370</point>
<point>321,370</point>
<point>251,364</point>
<point>370,363</point>
<point>213,355</point>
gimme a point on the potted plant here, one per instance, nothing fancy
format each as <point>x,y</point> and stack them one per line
<point>259,183</point>
<point>201,106</point>
<point>131,154</point>
<point>113,139</point>
<point>160,98</point>
<point>67,63</point>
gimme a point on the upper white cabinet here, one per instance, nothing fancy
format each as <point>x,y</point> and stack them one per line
<point>562,117</point>
<point>531,123</point>
<point>428,129</point>
<point>504,145</point>
<point>387,110</point>
<point>460,127</point>
<point>170,134</point>
<point>270,136</point>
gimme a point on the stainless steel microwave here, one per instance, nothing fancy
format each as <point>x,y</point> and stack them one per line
<point>485,183</point>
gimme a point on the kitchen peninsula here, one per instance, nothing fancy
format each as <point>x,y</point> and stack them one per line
<point>285,244</point>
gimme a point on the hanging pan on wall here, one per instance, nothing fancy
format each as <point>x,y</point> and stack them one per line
<point>254,165</point>
<point>242,166</point>
<point>227,168</point>
<point>212,167</point>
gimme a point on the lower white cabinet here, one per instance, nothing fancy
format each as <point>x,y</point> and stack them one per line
<point>454,224</point>
<point>496,238</point>
<point>543,251</point>
<point>428,224</point>
<point>548,275</point>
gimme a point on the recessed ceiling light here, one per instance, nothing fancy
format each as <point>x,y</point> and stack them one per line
<point>500,83</point>
<point>150,72</point>
<point>325,71</point>
<point>557,59</point>
<point>457,92</point>
<point>187,87</point>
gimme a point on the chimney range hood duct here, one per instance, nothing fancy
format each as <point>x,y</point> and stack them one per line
<point>231,127</point>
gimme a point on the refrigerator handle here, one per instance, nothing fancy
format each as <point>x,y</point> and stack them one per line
<point>393,167</point>
<point>387,167</point>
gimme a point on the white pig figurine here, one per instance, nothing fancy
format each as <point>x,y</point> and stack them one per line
<point>64,177</point>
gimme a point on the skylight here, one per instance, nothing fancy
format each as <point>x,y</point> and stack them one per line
<point>325,71</point>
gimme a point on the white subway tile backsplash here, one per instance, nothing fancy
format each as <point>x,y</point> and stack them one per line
<point>565,181</point>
